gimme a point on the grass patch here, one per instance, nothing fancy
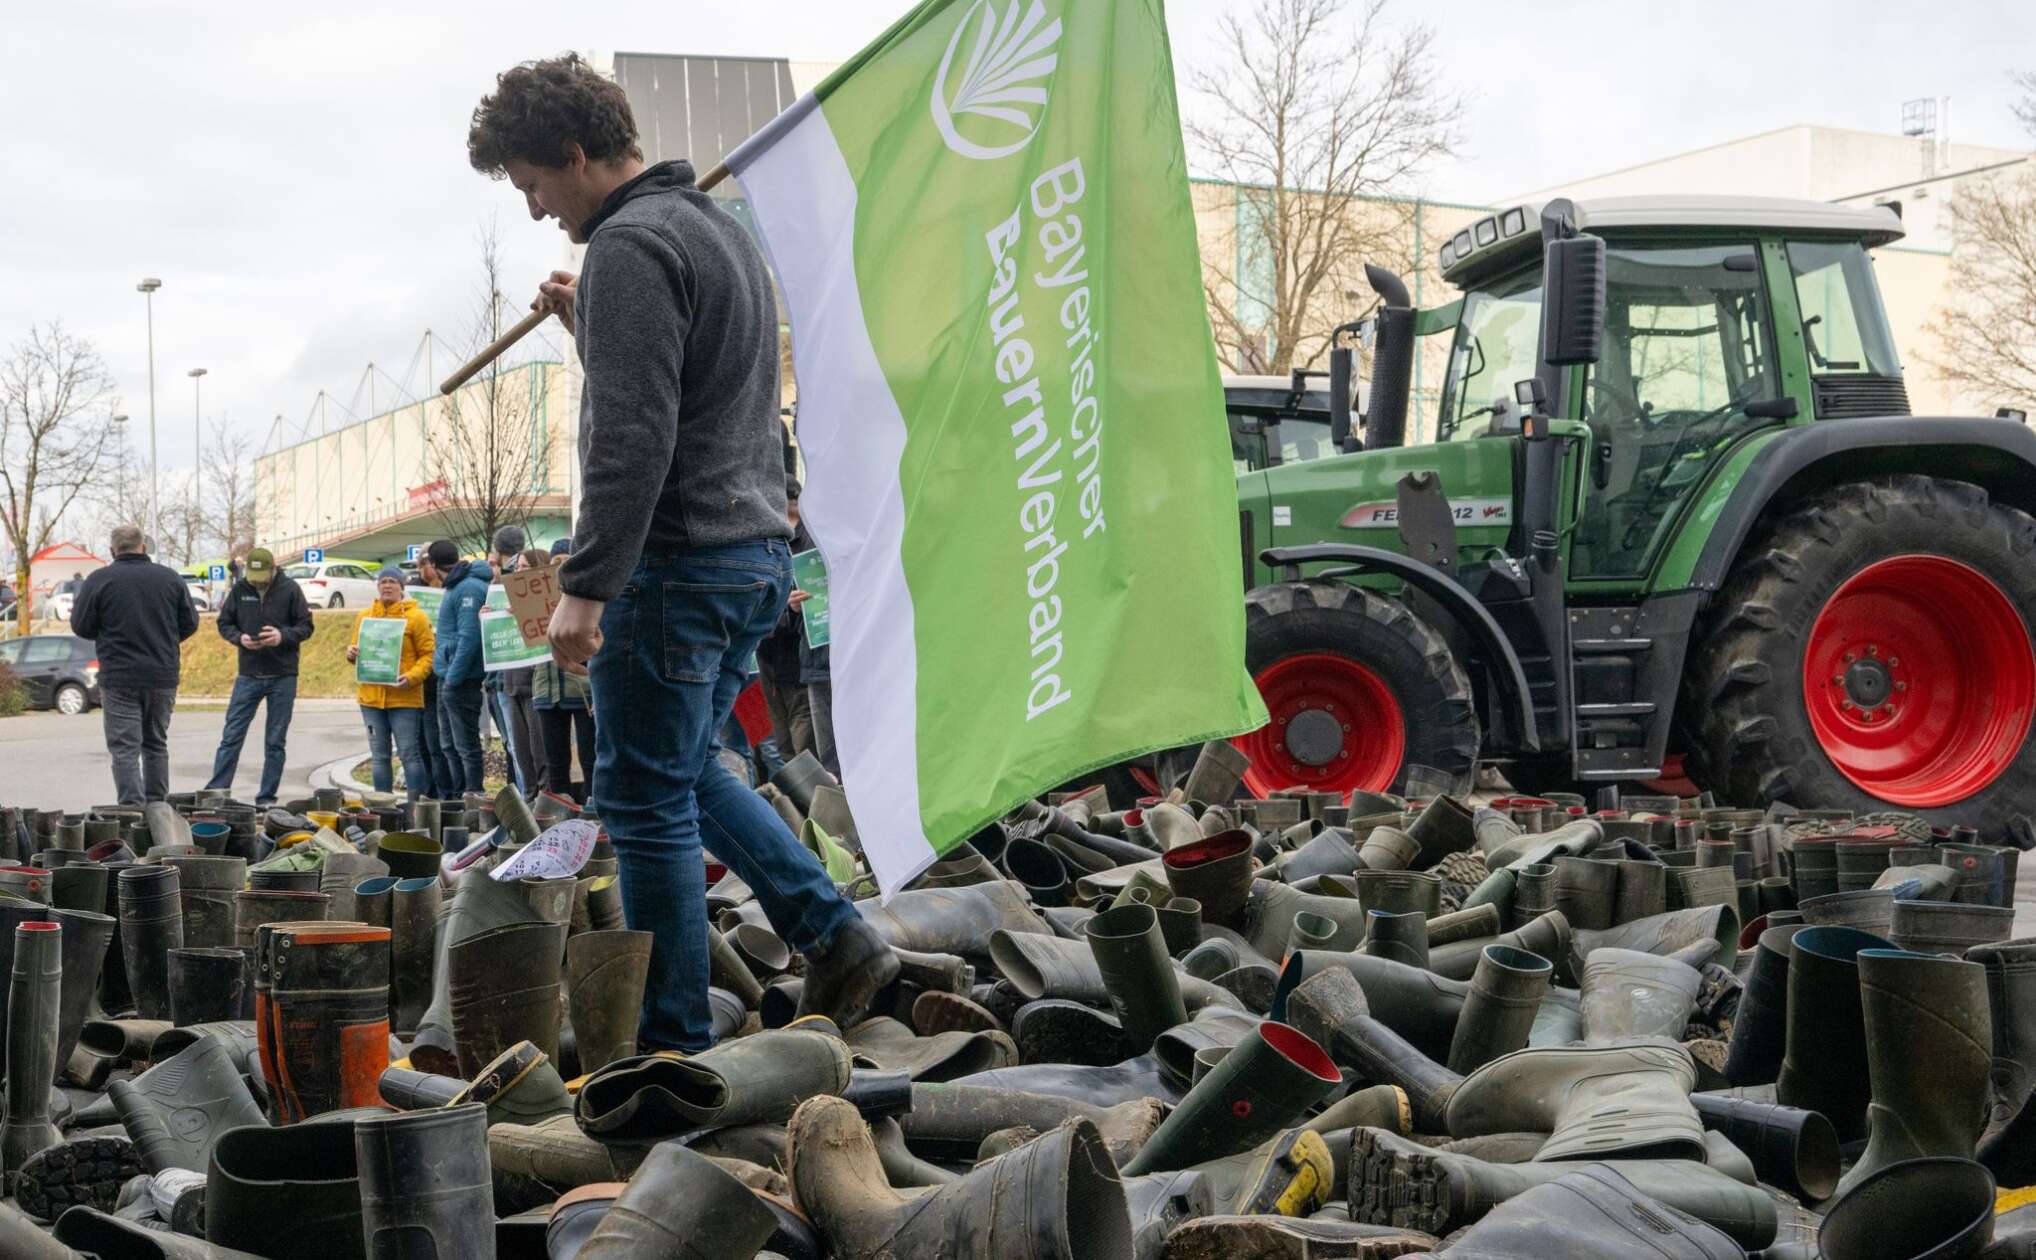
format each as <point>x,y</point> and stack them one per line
<point>211,663</point>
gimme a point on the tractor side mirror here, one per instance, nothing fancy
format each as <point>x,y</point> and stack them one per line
<point>1573,303</point>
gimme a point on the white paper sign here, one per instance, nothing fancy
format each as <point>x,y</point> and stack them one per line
<point>558,852</point>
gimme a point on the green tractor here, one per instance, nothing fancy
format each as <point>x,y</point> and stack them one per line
<point>1677,515</point>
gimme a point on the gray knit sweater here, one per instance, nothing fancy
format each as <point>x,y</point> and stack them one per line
<point>677,330</point>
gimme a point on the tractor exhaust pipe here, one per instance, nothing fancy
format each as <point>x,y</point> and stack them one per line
<point>1392,362</point>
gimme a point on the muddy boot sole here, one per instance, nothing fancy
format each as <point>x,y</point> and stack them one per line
<point>934,1012</point>
<point>1284,1238</point>
<point>1391,1187</point>
<point>84,1171</point>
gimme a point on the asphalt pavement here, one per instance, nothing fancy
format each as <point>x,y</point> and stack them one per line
<point>51,761</point>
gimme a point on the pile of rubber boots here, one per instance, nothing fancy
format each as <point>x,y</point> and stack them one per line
<point>1190,1026</point>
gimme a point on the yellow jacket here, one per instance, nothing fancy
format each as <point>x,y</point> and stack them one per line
<point>418,642</point>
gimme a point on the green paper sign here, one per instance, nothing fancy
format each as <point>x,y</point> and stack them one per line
<point>502,645</point>
<point>809,574</point>
<point>380,658</point>
<point>428,599</point>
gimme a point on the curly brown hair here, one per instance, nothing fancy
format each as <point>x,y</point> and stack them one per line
<point>540,109</point>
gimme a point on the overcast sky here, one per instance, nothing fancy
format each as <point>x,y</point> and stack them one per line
<point>296,175</point>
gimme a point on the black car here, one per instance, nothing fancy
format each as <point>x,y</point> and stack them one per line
<point>60,671</point>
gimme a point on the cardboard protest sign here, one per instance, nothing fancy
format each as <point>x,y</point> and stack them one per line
<point>533,594</point>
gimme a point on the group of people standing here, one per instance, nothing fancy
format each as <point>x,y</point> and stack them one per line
<point>431,717</point>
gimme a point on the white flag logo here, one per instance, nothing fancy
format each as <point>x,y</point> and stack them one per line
<point>999,92</point>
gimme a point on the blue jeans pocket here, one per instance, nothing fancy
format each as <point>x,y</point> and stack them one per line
<point>700,620</point>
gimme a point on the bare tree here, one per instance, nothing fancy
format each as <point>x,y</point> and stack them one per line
<point>1986,335</point>
<point>1313,114</point>
<point>56,428</point>
<point>228,492</point>
<point>182,525</point>
<point>490,466</point>
<point>118,494</point>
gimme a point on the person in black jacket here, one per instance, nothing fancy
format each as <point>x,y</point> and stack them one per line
<point>266,617</point>
<point>137,613</point>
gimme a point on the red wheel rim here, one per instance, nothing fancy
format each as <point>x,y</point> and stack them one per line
<point>1335,728</point>
<point>1920,680</point>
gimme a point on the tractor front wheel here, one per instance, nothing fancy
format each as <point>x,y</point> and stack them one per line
<point>1361,691</point>
<point>1873,651</point>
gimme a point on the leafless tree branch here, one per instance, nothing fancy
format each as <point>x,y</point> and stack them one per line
<point>56,429</point>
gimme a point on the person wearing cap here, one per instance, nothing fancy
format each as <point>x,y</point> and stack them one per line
<point>457,661</point>
<point>394,712</point>
<point>266,617</point>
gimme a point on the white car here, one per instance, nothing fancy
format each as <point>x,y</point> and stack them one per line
<point>335,583</point>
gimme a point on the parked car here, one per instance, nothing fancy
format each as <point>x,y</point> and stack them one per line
<point>61,599</point>
<point>335,583</point>
<point>200,589</point>
<point>60,671</point>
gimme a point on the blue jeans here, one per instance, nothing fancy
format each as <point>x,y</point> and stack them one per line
<point>436,751</point>
<point>665,679</point>
<point>406,728</point>
<point>459,733</point>
<point>281,693</point>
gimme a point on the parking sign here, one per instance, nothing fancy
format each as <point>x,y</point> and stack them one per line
<point>218,573</point>
<point>416,550</point>
<point>314,555</point>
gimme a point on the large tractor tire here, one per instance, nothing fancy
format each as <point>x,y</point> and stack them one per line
<point>1872,651</point>
<point>1363,694</point>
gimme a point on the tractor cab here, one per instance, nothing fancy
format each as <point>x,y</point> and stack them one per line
<point>1639,392</point>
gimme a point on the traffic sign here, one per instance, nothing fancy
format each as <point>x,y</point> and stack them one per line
<point>218,573</point>
<point>416,551</point>
<point>314,555</point>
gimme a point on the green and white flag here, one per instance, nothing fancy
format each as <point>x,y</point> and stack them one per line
<point>1018,465</point>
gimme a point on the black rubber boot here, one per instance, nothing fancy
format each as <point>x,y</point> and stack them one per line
<point>1760,1028</point>
<point>427,1191</point>
<point>843,978</point>
<point>1397,1182</point>
<point>2008,1146</point>
<point>178,1109</point>
<point>33,1002</point>
<point>1401,936</point>
<point>1420,1005</point>
<point>1824,1068</point>
<point>83,1172</point>
<point>605,974</point>
<point>1791,1148</point>
<point>799,777</point>
<point>151,925</point>
<point>679,1202</point>
<point>1928,1208</point>
<point>1266,1082</point>
<point>1330,1007</point>
<point>206,885</point>
<point>1499,1010</point>
<point>1216,871</point>
<point>1056,1198</point>
<point>1587,892</point>
<point>290,1191</point>
<point>87,935</point>
<point>1443,827</point>
<point>1130,953</point>
<point>1547,935</point>
<point>505,988</point>
<point>519,1086</point>
<point>413,926</point>
<point>1928,1047</point>
<point>1594,1102</point>
<point>481,902</point>
<point>748,1080</point>
<point>206,985</point>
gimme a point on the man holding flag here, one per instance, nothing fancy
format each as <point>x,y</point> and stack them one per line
<point>680,560</point>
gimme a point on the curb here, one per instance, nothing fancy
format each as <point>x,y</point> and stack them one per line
<point>339,774</point>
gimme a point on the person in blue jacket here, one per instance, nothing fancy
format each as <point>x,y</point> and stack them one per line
<point>457,659</point>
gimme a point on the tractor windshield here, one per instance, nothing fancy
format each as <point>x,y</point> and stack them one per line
<point>1497,340</point>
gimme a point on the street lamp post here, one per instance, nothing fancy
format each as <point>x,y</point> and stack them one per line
<point>147,289</point>
<point>197,376</point>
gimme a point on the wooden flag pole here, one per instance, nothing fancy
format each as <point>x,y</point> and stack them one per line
<point>522,327</point>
